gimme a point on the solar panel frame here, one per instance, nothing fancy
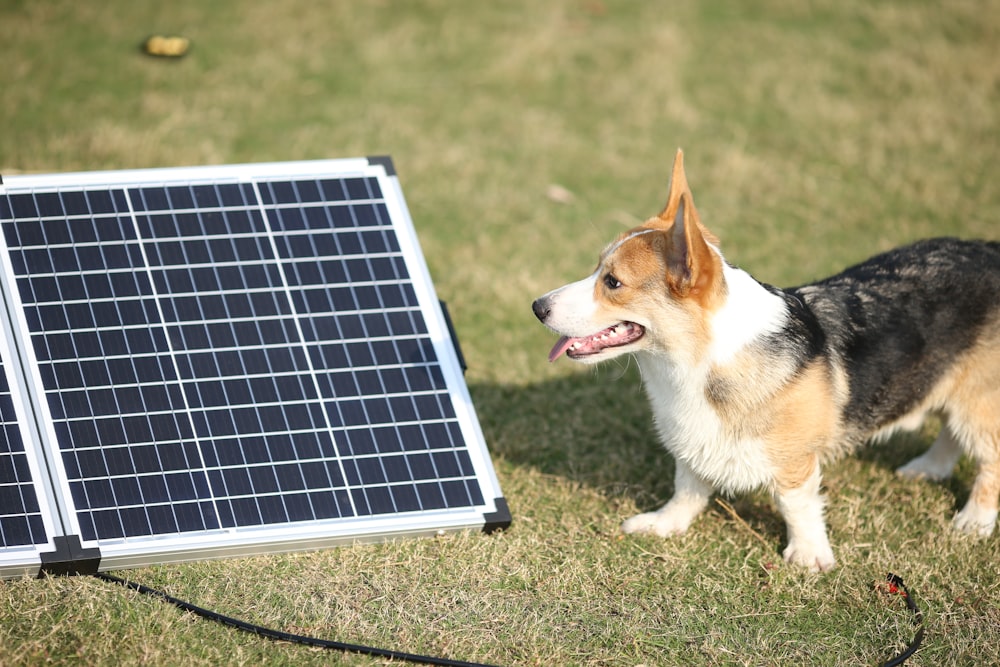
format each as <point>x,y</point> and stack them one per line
<point>148,217</point>
<point>22,478</point>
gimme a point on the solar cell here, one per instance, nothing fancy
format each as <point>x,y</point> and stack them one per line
<point>20,515</point>
<point>226,359</point>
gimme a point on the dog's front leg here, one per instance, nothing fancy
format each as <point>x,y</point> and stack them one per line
<point>691,495</point>
<point>802,509</point>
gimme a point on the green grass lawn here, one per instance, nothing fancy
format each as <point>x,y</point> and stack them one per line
<point>815,134</point>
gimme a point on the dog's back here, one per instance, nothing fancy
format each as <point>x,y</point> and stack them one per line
<point>901,322</point>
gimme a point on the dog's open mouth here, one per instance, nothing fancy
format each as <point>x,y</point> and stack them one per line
<point>620,334</point>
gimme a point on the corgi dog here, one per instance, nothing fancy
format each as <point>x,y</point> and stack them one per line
<point>752,386</point>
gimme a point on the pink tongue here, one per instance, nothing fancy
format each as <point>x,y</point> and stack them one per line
<point>561,346</point>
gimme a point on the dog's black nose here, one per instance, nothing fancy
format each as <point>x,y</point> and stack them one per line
<point>541,309</point>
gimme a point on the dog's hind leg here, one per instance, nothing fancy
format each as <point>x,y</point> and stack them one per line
<point>973,418</point>
<point>691,495</point>
<point>936,463</point>
<point>980,512</point>
<point>979,515</point>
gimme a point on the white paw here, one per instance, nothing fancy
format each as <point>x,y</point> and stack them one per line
<point>817,557</point>
<point>662,523</point>
<point>975,520</point>
<point>924,467</point>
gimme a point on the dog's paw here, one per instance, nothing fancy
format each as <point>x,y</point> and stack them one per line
<point>659,523</point>
<point>815,557</point>
<point>924,467</point>
<point>975,520</point>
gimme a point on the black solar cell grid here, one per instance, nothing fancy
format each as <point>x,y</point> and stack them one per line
<point>228,354</point>
<point>20,515</point>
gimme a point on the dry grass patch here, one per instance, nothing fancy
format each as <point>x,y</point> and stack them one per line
<point>815,134</point>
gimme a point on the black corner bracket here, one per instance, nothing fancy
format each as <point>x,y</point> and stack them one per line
<point>385,161</point>
<point>499,520</point>
<point>69,558</point>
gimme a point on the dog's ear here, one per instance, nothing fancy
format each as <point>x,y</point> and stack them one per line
<point>678,188</point>
<point>678,191</point>
<point>691,263</point>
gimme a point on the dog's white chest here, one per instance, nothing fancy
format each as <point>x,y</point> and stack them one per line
<point>692,431</point>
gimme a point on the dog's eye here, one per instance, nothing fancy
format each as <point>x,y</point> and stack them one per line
<point>612,282</point>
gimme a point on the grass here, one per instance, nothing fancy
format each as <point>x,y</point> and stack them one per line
<point>815,134</point>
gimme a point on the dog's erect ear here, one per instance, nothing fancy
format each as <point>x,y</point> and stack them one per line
<point>691,262</point>
<point>678,188</point>
<point>680,192</point>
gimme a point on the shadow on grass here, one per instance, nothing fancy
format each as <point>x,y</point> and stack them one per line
<point>903,447</point>
<point>593,428</point>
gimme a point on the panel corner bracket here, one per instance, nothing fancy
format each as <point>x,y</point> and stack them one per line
<point>385,161</point>
<point>69,558</point>
<point>499,520</point>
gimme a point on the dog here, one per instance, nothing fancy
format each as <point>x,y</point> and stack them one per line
<point>752,386</point>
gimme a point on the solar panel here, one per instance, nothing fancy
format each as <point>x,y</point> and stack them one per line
<point>23,525</point>
<point>215,361</point>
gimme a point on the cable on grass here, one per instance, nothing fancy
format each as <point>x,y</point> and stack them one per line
<point>893,585</point>
<point>279,635</point>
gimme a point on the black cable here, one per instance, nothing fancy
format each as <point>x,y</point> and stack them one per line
<point>278,635</point>
<point>894,584</point>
